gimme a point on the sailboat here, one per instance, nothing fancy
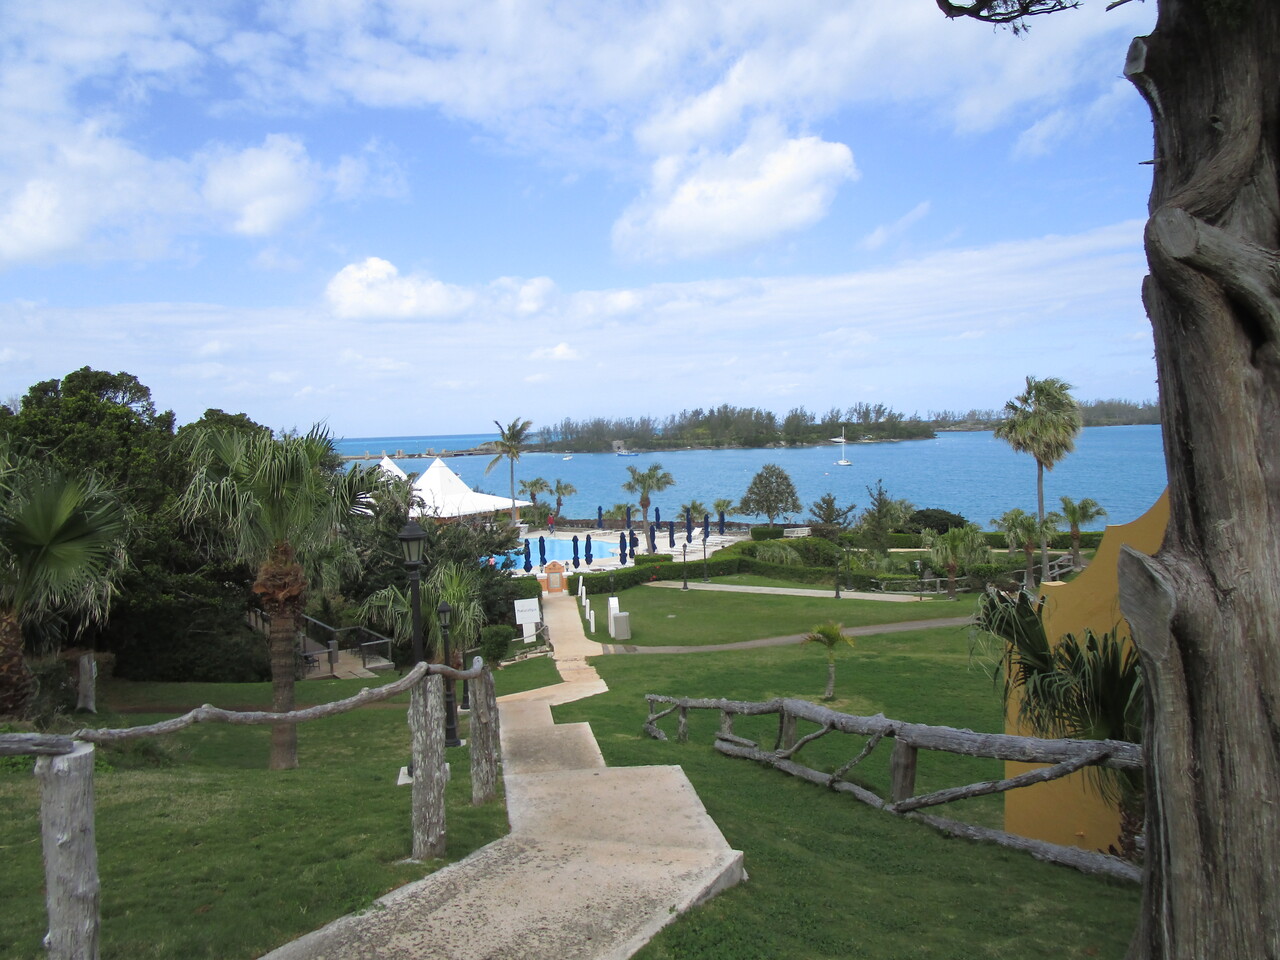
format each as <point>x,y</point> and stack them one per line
<point>842,462</point>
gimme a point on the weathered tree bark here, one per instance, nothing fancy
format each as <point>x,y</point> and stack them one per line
<point>282,587</point>
<point>86,684</point>
<point>70,853</point>
<point>426,727</point>
<point>16,682</point>
<point>1205,611</point>
<point>485,739</point>
<point>830,692</point>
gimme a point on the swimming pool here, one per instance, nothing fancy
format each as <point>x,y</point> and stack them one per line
<point>562,550</point>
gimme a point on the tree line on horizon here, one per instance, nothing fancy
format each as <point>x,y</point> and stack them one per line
<point>731,426</point>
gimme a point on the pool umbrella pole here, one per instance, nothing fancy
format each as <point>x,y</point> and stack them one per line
<point>575,551</point>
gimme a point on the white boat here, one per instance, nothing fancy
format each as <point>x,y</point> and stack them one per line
<point>842,462</point>
<point>570,457</point>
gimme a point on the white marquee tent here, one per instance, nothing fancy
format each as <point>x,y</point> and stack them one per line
<point>444,494</point>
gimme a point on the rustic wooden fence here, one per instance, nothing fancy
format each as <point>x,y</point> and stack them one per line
<point>1064,757</point>
<point>64,767</point>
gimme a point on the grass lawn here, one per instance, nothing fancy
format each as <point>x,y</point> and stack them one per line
<point>829,877</point>
<point>662,616</point>
<point>211,855</point>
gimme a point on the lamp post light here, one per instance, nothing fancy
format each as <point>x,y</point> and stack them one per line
<point>413,541</point>
<point>443,612</point>
<point>684,547</point>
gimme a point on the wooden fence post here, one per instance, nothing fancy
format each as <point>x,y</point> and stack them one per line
<point>70,853</point>
<point>426,725</point>
<point>682,725</point>
<point>726,723</point>
<point>902,771</point>
<point>86,685</point>
<point>786,729</point>
<point>484,739</point>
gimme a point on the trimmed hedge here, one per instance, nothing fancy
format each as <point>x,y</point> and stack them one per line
<point>767,533</point>
<point>525,588</point>
<point>643,559</point>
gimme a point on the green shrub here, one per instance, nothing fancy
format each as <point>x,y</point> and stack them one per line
<point>495,642</point>
<point>904,541</point>
<point>525,588</point>
<point>935,519</point>
<point>767,533</point>
<point>999,575</point>
<point>240,656</point>
<point>643,559</point>
<point>816,551</point>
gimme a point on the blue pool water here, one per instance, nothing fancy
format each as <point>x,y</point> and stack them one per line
<point>562,550</point>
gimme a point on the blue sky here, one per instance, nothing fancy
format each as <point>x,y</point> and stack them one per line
<point>419,217</point>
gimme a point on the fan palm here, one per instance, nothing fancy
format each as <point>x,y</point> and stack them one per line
<point>510,442</point>
<point>531,488</point>
<point>958,547</point>
<point>1023,532</point>
<point>271,500</point>
<point>829,636</point>
<point>391,610</point>
<point>645,482</point>
<point>561,489</point>
<point>1077,515</point>
<point>1043,421</point>
<point>59,556</point>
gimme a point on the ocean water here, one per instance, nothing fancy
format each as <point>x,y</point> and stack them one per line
<point>972,474</point>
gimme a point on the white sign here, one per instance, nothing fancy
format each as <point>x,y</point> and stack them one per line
<point>528,611</point>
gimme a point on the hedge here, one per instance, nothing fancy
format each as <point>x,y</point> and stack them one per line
<point>767,533</point>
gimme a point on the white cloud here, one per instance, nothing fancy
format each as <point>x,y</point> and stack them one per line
<point>561,351</point>
<point>261,188</point>
<point>1070,122</point>
<point>720,202</point>
<point>374,288</point>
<point>882,234</point>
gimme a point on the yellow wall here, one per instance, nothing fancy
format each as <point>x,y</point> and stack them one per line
<point>1068,811</point>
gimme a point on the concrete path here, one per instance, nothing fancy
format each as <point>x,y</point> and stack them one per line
<point>867,631</point>
<point>598,859</point>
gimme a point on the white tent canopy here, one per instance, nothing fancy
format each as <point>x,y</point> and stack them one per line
<point>443,493</point>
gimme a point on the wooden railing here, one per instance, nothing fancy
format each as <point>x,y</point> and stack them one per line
<point>1064,757</point>
<point>65,770</point>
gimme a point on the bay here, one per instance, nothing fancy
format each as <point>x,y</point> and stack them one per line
<point>970,473</point>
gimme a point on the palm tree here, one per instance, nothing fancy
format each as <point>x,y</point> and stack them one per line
<point>271,500</point>
<point>723,505</point>
<point>958,547</point>
<point>696,509</point>
<point>561,489</point>
<point>1077,515</point>
<point>450,581</point>
<point>617,512</point>
<point>643,483</point>
<point>531,488</point>
<point>1023,532</point>
<point>828,634</point>
<point>1043,421</point>
<point>59,556</point>
<point>511,439</point>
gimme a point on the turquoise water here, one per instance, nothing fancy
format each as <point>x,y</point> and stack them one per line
<point>972,474</point>
<point>562,550</point>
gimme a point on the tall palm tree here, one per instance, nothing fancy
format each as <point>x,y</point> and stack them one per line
<point>1077,515</point>
<point>956,548</point>
<point>723,505</point>
<point>829,636</point>
<point>531,488</point>
<point>510,442</point>
<point>60,552</point>
<point>271,500</point>
<point>645,482</point>
<point>562,489</point>
<point>1044,421</point>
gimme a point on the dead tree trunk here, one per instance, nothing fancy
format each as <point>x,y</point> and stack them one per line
<point>86,684</point>
<point>70,853</point>
<point>1205,611</point>
<point>484,739</point>
<point>426,727</point>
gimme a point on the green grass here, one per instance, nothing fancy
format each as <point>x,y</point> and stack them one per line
<point>214,856</point>
<point>830,877</point>
<point>662,616</point>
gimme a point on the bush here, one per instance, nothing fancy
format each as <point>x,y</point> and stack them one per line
<point>240,656</point>
<point>904,541</point>
<point>495,642</point>
<point>643,559</point>
<point>767,533</point>
<point>935,519</point>
<point>525,588</point>
<point>55,691</point>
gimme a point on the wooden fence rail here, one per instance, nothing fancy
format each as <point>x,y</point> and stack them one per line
<point>64,767</point>
<point>1063,756</point>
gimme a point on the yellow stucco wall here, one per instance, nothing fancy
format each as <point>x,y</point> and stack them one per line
<point>1068,811</point>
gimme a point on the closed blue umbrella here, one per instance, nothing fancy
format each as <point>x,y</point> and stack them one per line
<point>657,515</point>
<point>722,523</point>
<point>671,534</point>
<point>653,538</point>
<point>622,549</point>
<point>706,526</point>
<point>628,518</point>
<point>575,551</point>
<point>587,555</point>
<point>688,525</point>
<point>528,561</point>
<point>599,519</point>
<point>542,551</point>
<point>635,542</point>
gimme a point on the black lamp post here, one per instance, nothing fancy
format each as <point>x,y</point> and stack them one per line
<point>839,559</point>
<point>413,541</point>
<point>443,612</point>
<point>705,576</point>
<point>684,547</point>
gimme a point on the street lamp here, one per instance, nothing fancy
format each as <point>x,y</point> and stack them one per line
<point>684,547</point>
<point>413,542</point>
<point>443,613</point>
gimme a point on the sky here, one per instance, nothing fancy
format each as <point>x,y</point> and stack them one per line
<point>421,216</point>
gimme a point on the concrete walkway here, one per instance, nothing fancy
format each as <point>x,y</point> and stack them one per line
<point>794,638</point>
<point>828,593</point>
<point>598,859</point>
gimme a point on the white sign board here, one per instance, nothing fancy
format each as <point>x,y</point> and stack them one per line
<point>528,611</point>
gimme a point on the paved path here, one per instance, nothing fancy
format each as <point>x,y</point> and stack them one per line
<point>867,631</point>
<point>828,593</point>
<point>598,859</point>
